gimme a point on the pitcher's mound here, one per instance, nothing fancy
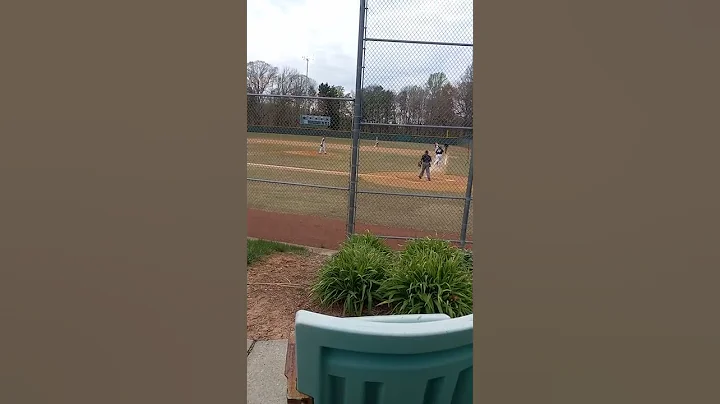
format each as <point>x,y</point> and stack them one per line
<point>410,180</point>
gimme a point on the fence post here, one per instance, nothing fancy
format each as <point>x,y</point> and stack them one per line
<point>468,198</point>
<point>357,111</point>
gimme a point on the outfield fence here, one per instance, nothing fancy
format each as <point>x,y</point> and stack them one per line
<point>364,166</point>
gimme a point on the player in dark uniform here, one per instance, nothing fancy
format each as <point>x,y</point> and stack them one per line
<point>425,163</point>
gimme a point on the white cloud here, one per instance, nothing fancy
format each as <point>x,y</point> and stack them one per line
<point>281,32</point>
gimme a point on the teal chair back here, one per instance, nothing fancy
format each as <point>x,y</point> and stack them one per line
<point>408,359</point>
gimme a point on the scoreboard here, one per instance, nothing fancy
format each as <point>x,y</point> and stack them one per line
<point>315,120</point>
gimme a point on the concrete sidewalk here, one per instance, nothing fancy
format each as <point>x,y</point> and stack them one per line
<point>266,383</point>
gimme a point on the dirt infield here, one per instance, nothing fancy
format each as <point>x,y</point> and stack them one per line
<point>439,182</point>
<point>302,169</point>
<point>319,231</point>
<point>408,180</point>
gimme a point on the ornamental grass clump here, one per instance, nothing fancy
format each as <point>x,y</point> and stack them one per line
<point>368,239</point>
<point>352,277</point>
<point>444,248</point>
<point>429,278</point>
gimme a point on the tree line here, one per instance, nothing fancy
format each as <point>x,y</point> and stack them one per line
<point>436,102</point>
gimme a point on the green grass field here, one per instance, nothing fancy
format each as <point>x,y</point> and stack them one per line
<point>257,249</point>
<point>391,167</point>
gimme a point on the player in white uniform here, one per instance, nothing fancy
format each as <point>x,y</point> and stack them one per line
<point>438,154</point>
<point>322,147</point>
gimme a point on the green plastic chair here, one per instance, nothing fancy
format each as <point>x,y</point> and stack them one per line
<point>403,359</point>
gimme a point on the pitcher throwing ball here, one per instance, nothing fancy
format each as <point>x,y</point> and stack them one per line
<point>322,146</point>
<point>425,163</point>
<point>438,154</point>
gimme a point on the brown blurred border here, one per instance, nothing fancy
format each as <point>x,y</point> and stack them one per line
<point>122,206</point>
<point>597,227</point>
<point>122,213</point>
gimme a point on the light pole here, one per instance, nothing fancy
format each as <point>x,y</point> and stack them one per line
<point>307,64</point>
<point>307,68</point>
<point>306,90</point>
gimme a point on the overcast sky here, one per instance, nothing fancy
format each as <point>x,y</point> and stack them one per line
<point>281,32</point>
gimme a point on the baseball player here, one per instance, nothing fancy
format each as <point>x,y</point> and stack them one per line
<point>425,163</point>
<point>438,154</point>
<point>377,142</point>
<point>322,146</point>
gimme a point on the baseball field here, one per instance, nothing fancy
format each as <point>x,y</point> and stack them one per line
<point>387,167</point>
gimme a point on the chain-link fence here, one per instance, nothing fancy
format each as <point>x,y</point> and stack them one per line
<point>414,165</point>
<point>396,155</point>
<point>297,162</point>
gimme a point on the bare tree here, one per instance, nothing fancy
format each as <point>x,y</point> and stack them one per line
<point>378,105</point>
<point>259,76</point>
<point>410,103</point>
<point>285,81</point>
<point>464,97</point>
<point>435,82</point>
<point>290,82</point>
<point>439,103</point>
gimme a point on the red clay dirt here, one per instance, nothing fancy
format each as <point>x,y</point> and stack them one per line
<point>321,232</point>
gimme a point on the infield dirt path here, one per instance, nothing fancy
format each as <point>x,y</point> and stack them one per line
<point>408,180</point>
<point>321,232</point>
<point>334,146</point>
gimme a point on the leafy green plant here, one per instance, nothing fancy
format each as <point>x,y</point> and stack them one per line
<point>352,278</point>
<point>368,239</point>
<point>468,254</point>
<point>427,281</point>
<point>443,248</point>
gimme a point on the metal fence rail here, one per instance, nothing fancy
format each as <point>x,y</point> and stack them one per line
<point>377,135</point>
